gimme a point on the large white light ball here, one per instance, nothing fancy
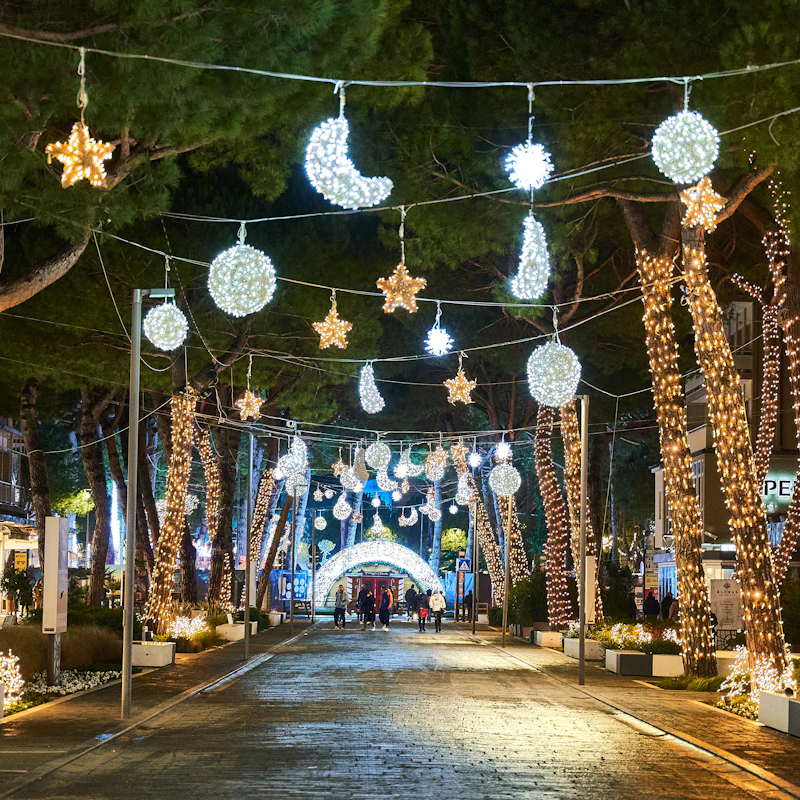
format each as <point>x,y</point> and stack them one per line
<point>376,502</point>
<point>553,374</point>
<point>529,166</point>
<point>241,280</point>
<point>685,147</point>
<point>504,480</point>
<point>328,494</point>
<point>378,455</point>
<point>289,464</point>
<point>166,326</point>
<point>296,485</point>
<point>349,481</point>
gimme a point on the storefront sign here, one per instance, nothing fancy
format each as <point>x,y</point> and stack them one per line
<point>726,603</point>
<point>777,491</point>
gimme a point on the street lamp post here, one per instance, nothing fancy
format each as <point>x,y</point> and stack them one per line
<point>247,587</point>
<point>582,565</point>
<point>508,570</point>
<point>130,516</point>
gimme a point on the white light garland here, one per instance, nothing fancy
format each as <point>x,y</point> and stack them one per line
<point>529,166</point>
<point>553,374</point>
<point>241,280</point>
<point>342,509</point>
<point>531,279</point>
<point>371,400</point>
<point>685,147</point>
<point>504,480</point>
<point>334,175</point>
<point>378,455</point>
<point>166,326</point>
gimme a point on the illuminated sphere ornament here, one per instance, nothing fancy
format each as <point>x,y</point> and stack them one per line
<point>166,326</point>
<point>378,455</point>
<point>685,147</point>
<point>296,485</point>
<point>553,374</point>
<point>342,509</point>
<point>453,508</point>
<point>371,400</point>
<point>475,459</point>
<point>320,523</point>
<point>529,166</point>
<point>434,515</point>
<point>397,495</point>
<point>349,480</point>
<point>531,279</point>
<point>504,480</point>
<point>502,451</point>
<point>241,280</point>
<point>329,494</point>
<point>81,156</point>
<point>334,175</point>
<point>290,464</point>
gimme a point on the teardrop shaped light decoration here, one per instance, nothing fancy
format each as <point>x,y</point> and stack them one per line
<point>371,400</point>
<point>166,326</point>
<point>531,279</point>
<point>553,374</point>
<point>342,509</point>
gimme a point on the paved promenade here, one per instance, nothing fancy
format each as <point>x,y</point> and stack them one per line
<point>391,715</point>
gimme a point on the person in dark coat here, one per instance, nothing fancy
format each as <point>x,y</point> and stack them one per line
<point>368,610</point>
<point>423,609</point>
<point>632,609</point>
<point>468,605</point>
<point>411,602</point>
<point>666,604</point>
<point>362,596</point>
<point>650,607</point>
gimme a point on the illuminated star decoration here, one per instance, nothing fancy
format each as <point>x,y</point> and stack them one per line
<point>400,289</point>
<point>460,387</point>
<point>81,156</point>
<point>339,467</point>
<point>702,205</point>
<point>332,330</point>
<point>459,450</point>
<point>249,406</point>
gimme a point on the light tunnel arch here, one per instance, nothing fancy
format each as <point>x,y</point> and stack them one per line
<point>376,552</point>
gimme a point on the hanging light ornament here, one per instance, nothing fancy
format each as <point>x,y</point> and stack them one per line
<point>503,451</point>
<point>400,289</point>
<point>357,516</point>
<point>318,495</point>
<point>553,374</point>
<point>529,166</point>
<point>320,523</point>
<point>397,495</point>
<point>296,485</point>
<point>350,482</point>
<point>338,466</point>
<point>413,517</point>
<point>249,406</point>
<point>405,486</point>
<point>342,510</point>
<point>289,464</point>
<point>439,342</point>
<point>329,494</point>
<point>377,524</point>
<point>463,492</point>
<point>299,449</point>
<point>453,508</point>
<point>371,400</point>
<point>360,466</point>
<point>685,146</point>
<point>331,171</point>
<point>385,483</point>
<point>402,520</point>
<point>166,326</point>
<point>242,279</point>
<point>475,459</point>
<point>378,455</point>
<point>332,330</point>
<point>702,206</point>
<point>461,387</point>
<point>434,515</point>
<point>504,480</point>
<point>406,467</point>
<point>531,279</point>
<point>375,502</point>
<point>435,464</point>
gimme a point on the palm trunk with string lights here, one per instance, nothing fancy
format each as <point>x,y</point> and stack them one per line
<point>748,522</point>
<point>699,658</point>
<point>559,608</point>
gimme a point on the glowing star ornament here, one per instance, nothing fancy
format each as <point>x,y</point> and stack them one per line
<point>531,279</point>
<point>529,166</point>
<point>702,206</point>
<point>342,509</point>
<point>371,400</point>
<point>685,147</point>
<point>400,290</point>
<point>504,480</point>
<point>320,523</point>
<point>332,330</point>
<point>553,374</point>
<point>249,406</point>
<point>166,326</point>
<point>357,517</point>
<point>318,495</point>
<point>378,455</point>
<point>460,388</point>
<point>81,156</point>
<point>242,279</point>
<point>338,467</point>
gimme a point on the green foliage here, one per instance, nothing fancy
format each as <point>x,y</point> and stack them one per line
<point>16,584</point>
<point>454,539</point>
<point>616,591</point>
<point>496,616</point>
<point>527,602</point>
<point>688,683</point>
<point>79,503</point>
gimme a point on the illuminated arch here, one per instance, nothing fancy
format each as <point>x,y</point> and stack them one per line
<point>376,552</point>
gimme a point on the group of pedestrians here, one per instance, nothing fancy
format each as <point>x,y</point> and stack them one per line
<point>668,609</point>
<point>424,604</point>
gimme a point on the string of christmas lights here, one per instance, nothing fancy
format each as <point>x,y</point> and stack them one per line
<point>699,657</point>
<point>159,606</point>
<point>559,607</point>
<point>266,491</point>
<point>519,568</point>
<point>748,522</point>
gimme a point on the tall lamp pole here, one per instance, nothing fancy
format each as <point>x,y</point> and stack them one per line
<point>476,573</point>
<point>247,586</point>
<point>582,565</point>
<point>508,571</point>
<point>130,515</point>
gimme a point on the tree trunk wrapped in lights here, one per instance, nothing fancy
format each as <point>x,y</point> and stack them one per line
<point>559,608</point>
<point>266,492</point>
<point>271,545</point>
<point>748,522</point>
<point>684,510</point>
<point>210,464</point>
<point>519,568</point>
<point>572,479</point>
<point>158,609</point>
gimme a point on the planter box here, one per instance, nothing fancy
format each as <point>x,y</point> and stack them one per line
<point>527,634</point>
<point>153,654</point>
<point>667,666</point>
<point>779,712</point>
<point>594,650</point>
<point>629,662</point>
<point>547,638</point>
<point>725,659</point>
<point>235,632</point>
<point>483,619</point>
<point>276,618</point>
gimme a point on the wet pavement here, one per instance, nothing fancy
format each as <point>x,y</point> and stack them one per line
<point>395,715</point>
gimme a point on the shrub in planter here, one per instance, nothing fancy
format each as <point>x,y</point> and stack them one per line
<point>662,647</point>
<point>496,616</point>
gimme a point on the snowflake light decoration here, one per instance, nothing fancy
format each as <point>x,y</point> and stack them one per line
<point>504,480</point>
<point>397,495</point>
<point>503,451</point>
<point>702,205</point>
<point>81,156</point>
<point>439,342</point>
<point>400,290</point>
<point>333,330</point>
<point>249,406</point>
<point>375,502</point>
<point>533,273</point>
<point>529,166</point>
<point>685,147</point>
<point>553,374</point>
<point>371,400</point>
<point>166,326</point>
<point>453,508</point>
<point>318,494</point>
<point>475,459</point>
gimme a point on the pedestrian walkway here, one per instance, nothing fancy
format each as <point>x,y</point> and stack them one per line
<point>402,714</point>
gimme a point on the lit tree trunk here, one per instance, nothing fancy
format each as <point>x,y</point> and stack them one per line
<point>37,463</point>
<point>273,542</point>
<point>572,480</point>
<point>159,603</point>
<point>559,610</point>
<point>188,566</point>
<point>518,568</point>
<point>220,585</point>
<point>684,511</point>
<point>261,513</point>
<point>436,544</point>
<point>357,503</point>
<point>748,522</point>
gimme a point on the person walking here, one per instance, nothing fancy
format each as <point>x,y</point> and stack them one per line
<point>438,605</point>
<point>385,609</point>
<point>368,611</point>
<point>340,602</point>
<point>411,602</point>
<point>423,608</point>
<point>674,610</point>
<point>650,607</point>
<point>362,596</point>
<point>468,600</point>
<point>666,604</point>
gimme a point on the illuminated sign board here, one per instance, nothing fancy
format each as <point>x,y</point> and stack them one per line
<point>777,491</point>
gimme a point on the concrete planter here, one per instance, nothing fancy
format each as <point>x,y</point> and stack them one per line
<point>276,618</point>
<point>594,650</point>
<point>725,659</point>
<point>153,654</point>
<point>526,633</point>
<point>667,666</point>
<point>779,712</point>
<point>483,619</point>
<point>235,632</point>
<point>629,662</point>
<point>547,638</point>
